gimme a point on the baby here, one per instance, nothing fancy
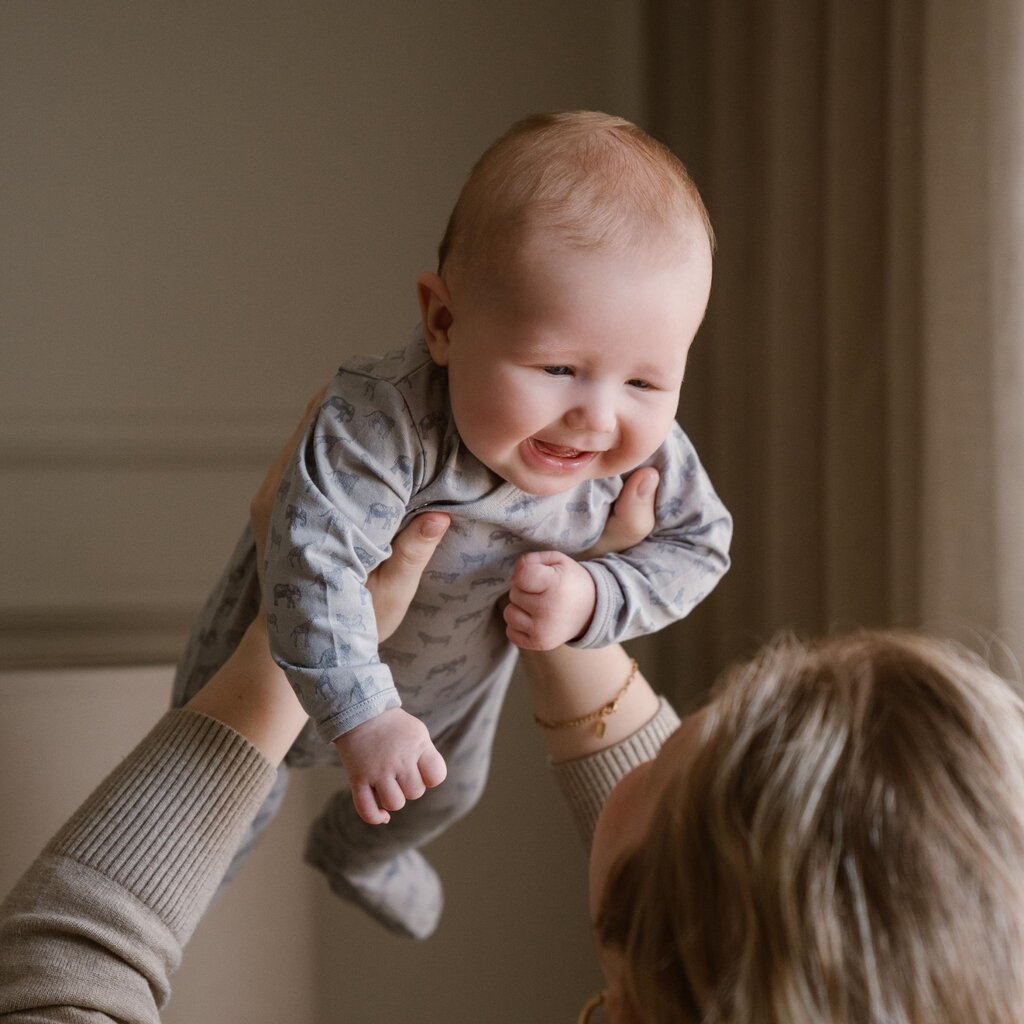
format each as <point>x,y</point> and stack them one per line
<point>573,276</point>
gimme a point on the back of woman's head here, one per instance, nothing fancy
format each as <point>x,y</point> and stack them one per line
<point>844,843</point>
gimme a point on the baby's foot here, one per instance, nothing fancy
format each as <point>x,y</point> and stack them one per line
<point>403,892</point>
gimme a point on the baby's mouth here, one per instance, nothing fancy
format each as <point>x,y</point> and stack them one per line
<point>557,458</point>
<point>558,451</point>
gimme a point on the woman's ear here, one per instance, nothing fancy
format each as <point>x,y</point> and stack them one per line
<point>618,1007</point>
<point>435,309</point>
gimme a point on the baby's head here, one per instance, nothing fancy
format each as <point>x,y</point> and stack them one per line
<point>582,181</point>
<point>573,275</point>
<point>838,836</point>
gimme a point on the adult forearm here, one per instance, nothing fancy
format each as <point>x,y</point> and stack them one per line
<point>568,684</point>
<point>250,694</point>
<point>588,762</point>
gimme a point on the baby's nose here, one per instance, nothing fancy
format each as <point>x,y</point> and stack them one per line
<point>593,414</point>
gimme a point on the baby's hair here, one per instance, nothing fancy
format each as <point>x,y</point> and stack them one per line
<point>595,180</point>
<point>846,844</point>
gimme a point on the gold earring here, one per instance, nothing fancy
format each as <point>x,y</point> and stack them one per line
<point>588,1011</point>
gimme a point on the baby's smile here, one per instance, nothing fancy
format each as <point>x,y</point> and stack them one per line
<point>558,450</point>
<point>558,457</point>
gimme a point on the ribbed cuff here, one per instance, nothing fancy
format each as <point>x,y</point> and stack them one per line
<point>166,822</point>
<point>607,600</point>
<point>587,781</point>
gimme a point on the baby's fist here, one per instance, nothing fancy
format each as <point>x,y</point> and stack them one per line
<point>551,601</point>
<point>389,759</point>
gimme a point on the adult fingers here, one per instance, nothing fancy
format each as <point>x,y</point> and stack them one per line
<point>633,516</point>
<point>412,548</point>
<point>393,583</point>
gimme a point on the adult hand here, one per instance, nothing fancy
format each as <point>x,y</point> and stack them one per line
<point>262,501</point>
<point>632,517</point>
<point>392,585</point>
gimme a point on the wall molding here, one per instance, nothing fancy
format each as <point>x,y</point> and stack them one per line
<point>116,634</point>
<point>129,437</point>
<point>129,623</point>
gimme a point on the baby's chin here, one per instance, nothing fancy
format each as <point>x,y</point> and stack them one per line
<point>550,488</point>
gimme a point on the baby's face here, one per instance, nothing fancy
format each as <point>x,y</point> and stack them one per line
<point>570,368</point>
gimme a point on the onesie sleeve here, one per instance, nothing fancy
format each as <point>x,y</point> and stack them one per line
<point>335,516</point>
<point>660,580</point>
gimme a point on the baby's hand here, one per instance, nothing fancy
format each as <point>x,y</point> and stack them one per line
<point>389,760</point>
<point>551,601</point>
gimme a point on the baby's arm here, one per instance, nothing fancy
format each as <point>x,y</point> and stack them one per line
<point>643,588</point>
<point>343,496</point>
<point>659,580</point>
<point>331,524</point>
<point>551,602</point>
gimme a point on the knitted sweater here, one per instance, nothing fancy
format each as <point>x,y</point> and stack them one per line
<point>96,926</point>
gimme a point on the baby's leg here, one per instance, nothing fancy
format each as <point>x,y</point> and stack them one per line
<point>379,867</point>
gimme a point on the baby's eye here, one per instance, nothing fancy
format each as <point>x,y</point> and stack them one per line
<point>640,385</point>
<point>557,371</point>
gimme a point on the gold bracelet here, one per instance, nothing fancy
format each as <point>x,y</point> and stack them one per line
<point>600,714</point>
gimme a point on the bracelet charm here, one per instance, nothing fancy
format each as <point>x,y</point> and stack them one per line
<point>597,717</point>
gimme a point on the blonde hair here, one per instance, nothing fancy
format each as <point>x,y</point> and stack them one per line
<point>846,845</point>
<point>596,180</point>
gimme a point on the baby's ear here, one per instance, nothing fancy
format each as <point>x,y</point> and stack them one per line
<point>435,309</point>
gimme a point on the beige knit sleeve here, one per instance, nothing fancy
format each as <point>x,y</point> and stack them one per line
<point>96,925</point>
<point>165,825</point>
<point>585,783</point>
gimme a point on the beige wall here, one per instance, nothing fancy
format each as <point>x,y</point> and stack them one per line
<point>205,207</point>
